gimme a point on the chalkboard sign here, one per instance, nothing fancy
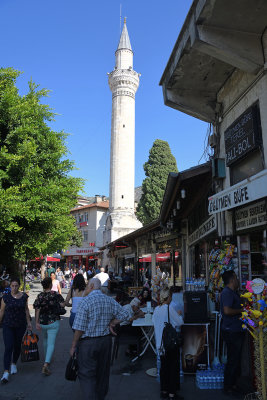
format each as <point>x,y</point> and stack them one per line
<point>243,136</point>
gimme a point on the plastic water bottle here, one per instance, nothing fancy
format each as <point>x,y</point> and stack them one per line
<point>181,376</point>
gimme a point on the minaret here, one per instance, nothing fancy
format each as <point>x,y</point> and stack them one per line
<point>123,82</point>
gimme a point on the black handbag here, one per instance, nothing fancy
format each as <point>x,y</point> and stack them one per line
<point>58,309</point>
<point>72,369</point>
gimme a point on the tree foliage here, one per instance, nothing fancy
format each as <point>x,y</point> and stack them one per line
<point>36,191</point>
<point>160,163</point>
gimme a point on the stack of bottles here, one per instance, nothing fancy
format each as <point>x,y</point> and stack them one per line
<point>195,285</point>
<point>211,378</point>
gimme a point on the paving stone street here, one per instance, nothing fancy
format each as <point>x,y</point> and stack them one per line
<point>126,381</point>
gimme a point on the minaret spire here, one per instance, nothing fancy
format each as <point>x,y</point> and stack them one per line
<point>124,42</point>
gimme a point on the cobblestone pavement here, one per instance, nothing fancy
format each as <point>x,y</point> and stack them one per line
<point>125,382</point>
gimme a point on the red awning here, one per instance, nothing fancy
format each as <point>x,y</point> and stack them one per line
<point>50,259</point>
<point>159,257</point>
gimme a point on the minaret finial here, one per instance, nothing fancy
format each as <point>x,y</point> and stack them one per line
<point>125,19</point>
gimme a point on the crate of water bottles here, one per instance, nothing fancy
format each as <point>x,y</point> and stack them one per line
<point>195,285</point>
<point>210,378</point>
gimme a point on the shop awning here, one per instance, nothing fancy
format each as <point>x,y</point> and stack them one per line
<point>49,259</point>
<point>159,257</point>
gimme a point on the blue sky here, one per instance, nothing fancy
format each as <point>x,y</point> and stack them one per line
<point>68,47</point>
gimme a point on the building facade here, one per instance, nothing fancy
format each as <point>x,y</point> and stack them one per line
<point>217,72</point>
<point>91,222</point>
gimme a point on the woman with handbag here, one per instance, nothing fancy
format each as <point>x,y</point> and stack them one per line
<point>75,294</point>
<point>16,317</point>
<point>47,316</point>
<point>169,359</point>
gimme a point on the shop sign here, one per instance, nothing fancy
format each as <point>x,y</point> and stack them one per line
<point>242,136</point>
<point>80,251</point>
<point>244,192</point>
<point>209,226</point>
<point>253,215</point>
<point>85,223</point>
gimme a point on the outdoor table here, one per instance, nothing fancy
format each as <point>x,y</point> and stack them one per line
<point>147,329</point>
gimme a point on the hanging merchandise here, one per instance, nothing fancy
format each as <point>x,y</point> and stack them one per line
<point>221,259</point>
<point>159,281</point>
<point>254,317</point>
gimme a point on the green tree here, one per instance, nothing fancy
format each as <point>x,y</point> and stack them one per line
<point>36,190</point>
<point>160,163</point>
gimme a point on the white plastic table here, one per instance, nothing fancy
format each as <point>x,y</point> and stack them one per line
<point>147,329</point>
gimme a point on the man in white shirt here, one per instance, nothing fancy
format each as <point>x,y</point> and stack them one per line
<point>104,278</point>
<point>133,311</point>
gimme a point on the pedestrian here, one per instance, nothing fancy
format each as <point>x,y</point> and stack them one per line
<point>95,318</point>
<point>59,275</point>
<point>104,278</point>
<point>50,269</point>
<point>169,360</point>
<point>75,294</point>
<point>47,319</point>
<point>16,318</point>
<point>67,276</point>
<point>230,306</point>
<point>55,283</point>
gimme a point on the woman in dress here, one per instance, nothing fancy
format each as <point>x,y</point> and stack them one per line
<point>67,276</point>
<point>47,319</point>
<point>170,361</point>
<point>75,294</point>
<point>16,318</point>
<point>55,283</point>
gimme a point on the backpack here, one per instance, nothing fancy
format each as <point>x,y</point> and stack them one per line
<point>170,338</point>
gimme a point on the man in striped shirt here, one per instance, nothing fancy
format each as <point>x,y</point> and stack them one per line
<point>95,317</point>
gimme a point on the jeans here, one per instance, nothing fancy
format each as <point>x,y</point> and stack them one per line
<point>49,338</point>
<point>12,341</point>
<point>71,319</point>
<point>233,341</point>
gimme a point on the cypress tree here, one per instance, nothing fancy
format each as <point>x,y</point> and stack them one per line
<point>160,163</point>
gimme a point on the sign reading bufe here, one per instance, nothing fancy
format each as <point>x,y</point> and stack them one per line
<point>243,135</point>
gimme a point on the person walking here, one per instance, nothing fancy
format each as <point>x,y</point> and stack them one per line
<point>75,294</point>
<point>55,283</point>
<point>169,360</point>
<point>50,269</point>
<point>16,318</point>
<point>95,318</point>
<point>67,276</point>
<point>230,306</point>
<point>104,278</point>
<point>47,319</point>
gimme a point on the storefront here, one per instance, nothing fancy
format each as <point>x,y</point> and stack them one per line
<point>247,203</point>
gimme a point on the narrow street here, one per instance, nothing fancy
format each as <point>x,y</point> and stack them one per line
<point>126,381</point>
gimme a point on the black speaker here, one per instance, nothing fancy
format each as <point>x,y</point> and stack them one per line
<point>196,307</point>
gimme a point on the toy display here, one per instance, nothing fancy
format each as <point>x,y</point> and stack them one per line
<point>221,259</point>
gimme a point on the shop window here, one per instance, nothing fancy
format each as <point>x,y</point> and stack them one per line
<point>249,166</point>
